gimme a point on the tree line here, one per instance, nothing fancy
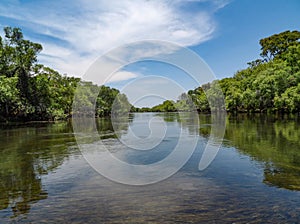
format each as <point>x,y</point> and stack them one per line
<point>269,84</point>
<point>31,91</point>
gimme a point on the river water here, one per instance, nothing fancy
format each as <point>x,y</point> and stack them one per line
<point>255,177</point>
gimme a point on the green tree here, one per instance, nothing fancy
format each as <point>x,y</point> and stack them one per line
<point>166,106</point>
<point>289,101</point>
<point>105,100</point>
<point>23,56</point>
<point>121,106</point>
<point>9,96</point>
<point>215,97</point>
<point>276,44</point>
<point>199,99</point>
<point>30,91</point>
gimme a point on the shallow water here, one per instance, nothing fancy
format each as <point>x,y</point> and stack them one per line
<point>255,177</point>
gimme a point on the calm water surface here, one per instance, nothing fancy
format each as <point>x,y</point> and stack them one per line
<point>255,177</point>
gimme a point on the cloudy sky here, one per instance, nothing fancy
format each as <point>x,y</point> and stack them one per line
<point>225,33</point>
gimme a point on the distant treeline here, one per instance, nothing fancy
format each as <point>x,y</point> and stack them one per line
<point>269,84</point>
<point>31,91</point>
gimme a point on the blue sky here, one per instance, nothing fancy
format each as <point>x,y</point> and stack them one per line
<point>225,33</point>
<point>241,24</point>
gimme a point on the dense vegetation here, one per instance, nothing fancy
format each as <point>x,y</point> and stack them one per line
<point>31,91</point>
<point>269,84</point>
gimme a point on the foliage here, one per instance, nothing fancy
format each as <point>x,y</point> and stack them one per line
<point>166,106</point>
<point>268,85</point>
<point>31,91</point>
<point>9,96</point>
<point>278,44</point>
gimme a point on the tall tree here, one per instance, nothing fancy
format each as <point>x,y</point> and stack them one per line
<point>276,44</point>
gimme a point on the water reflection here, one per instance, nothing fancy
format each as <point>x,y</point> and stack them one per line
<point>30,154</point>
<point>25,155</point>
<point>270,139</point>
<point>158,144</point>
<point>189,120</point>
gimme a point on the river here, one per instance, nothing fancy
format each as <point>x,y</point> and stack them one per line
<point>255,177</point>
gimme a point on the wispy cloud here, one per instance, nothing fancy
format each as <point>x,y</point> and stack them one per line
<point>122,75</point>
<point>75,33</point>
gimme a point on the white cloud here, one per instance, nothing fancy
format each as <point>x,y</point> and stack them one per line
<point>82,31</point>
<point>121,76</point>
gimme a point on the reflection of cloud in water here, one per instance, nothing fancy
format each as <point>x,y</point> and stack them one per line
<point>164,151</point>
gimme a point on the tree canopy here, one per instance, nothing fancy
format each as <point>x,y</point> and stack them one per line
<point>31,91</point>
<point>278,44</point>
<point>269,84</point>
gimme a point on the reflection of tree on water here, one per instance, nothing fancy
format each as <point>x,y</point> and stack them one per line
<point>271,140</point>
<point>93,129</point>
<point>20,187</point>
<point>187,120</point>
<point>281,178</point>
<point>121,123</point>
<point>25,155</point>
